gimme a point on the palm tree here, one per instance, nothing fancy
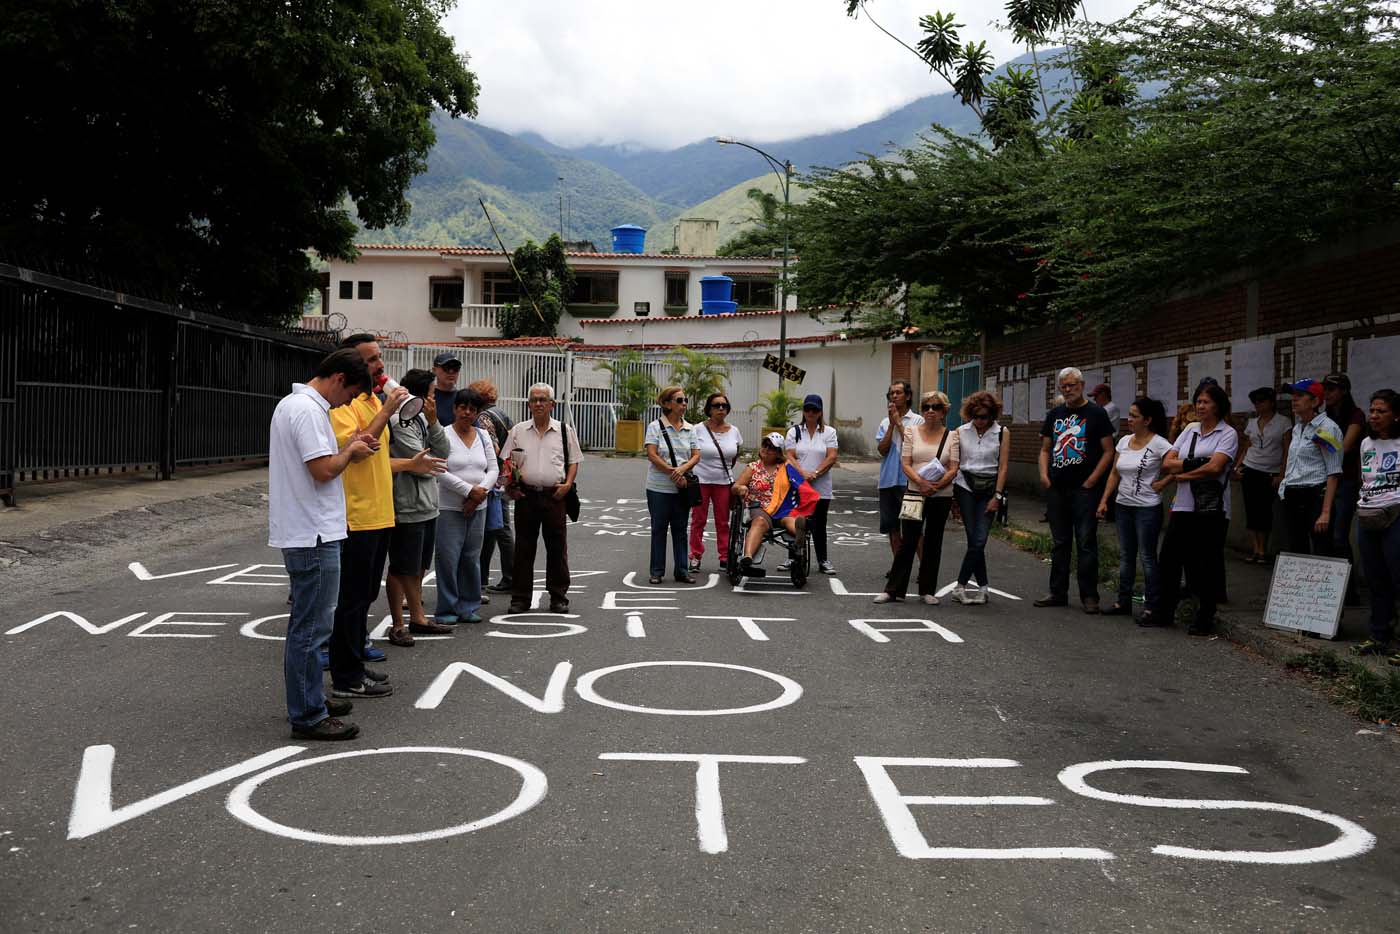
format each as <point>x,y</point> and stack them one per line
<point>702,375</point>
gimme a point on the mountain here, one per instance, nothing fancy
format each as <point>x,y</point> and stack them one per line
<point>732,207</point>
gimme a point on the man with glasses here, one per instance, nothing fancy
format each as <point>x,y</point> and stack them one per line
<point>890,443</point>
<point>446,369</point>
<point>538,482</point>
<point>1076,450</point>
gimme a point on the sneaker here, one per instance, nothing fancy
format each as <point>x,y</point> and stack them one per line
<point>977,595</point>
<point>375,675</point>
<point>329,728</point>
<point>473,618</point>
<point>365,688</point>
<point>828,568</point>
<point>694,565</point>
<point>1371,647</point>
<point>485,600</point>
<point>883,598</point>
<point>338,708</point>
<point>374,655</point>
<point>786,565</point>
<point>960,594</point>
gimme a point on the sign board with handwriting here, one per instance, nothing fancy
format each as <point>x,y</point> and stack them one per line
<point>787,371</point>
<point>1306,593</point>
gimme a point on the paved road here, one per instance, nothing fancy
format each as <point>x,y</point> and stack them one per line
<point>989,768</point>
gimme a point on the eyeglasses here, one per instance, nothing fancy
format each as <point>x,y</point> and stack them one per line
<point>541,401</point>
<point>932,406</point>
<point>720,405</point>
<point>978,416</point>
<point>810,408</point>
<point>678,399</point>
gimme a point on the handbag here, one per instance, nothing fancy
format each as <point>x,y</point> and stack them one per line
<point>1377,518</point>
<point>692,482</point>
<point>571,500</point>
<point>912,506</point>
<point>983,483</point>
<point>1208,494</point>
<point>495,511</point>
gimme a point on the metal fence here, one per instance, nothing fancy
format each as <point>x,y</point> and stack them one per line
<point>93,381</point>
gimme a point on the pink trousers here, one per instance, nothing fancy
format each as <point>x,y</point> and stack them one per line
<point>718,494</point>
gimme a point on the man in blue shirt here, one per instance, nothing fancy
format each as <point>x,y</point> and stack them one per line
<point>446,369</point>
<point>889,441</point>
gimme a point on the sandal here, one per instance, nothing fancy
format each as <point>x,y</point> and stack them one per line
<point>401,638</point>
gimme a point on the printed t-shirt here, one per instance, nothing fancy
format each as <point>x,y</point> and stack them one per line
<point>1076,442</point>
<point>369,485</point>
<point>1138,470</point>
<point>811,451</point>
<point>299,509</point>
<point>1380,472</point>
<point>890,472</point>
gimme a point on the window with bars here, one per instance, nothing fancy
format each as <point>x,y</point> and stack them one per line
<point>677,289</point>
<point>594,288</point>
<point>499,288</point>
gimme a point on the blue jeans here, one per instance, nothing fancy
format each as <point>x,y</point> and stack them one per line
<point>1138,529</point>
<point>458,554</point>
<point>1344,504</point>
<point>668,511</point>
<point>1380,557</point>
<point>315,583</point>
<point>1072,521</point>
<point>977,522</point>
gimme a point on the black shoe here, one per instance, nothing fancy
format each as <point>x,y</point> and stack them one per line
<point>329,728</point>
<point>1151,619</point>
<point>746,562</point>
<point>1091,607</point>
<point>365,688</point>
<point>558,608</point>
<point>1051,600</point>
<point>685,579</point>
<point>1201,629</point>
<point>378,677</point>
<point>501,586</point>
<point>517,608</point>
<point>338,708</point>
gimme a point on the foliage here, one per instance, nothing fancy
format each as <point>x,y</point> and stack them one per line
<point>634,388</point>
<point>546,277</point>
<point>702,374</point>
<point>765,236</point>
<point>733,208</point>
<point>780,408</point>
<point>203,146</point>
<point>1366,693</point>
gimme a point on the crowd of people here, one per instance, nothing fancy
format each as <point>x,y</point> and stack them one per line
<point>425,476</point>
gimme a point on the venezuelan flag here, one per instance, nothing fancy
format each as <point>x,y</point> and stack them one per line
<point>792,495</point>
<point>1327,441</point>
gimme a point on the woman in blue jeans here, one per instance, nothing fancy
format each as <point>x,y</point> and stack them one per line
<point>672,451</point>
<point>472,470</point>
<point>1135,484</point>
<point>980,487</point>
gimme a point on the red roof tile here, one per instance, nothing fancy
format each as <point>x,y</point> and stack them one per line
<point>492,251</point>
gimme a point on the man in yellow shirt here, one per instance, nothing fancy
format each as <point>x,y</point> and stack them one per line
<point>369,516</point>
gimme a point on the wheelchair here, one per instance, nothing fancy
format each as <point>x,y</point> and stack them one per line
<point>739,522</point>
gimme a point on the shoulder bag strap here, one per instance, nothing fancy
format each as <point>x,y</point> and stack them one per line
<point>669,446</point>
<point>564,440</point>
<point>942,441</point>
<point>1194,438</point>
<point>727,471</point>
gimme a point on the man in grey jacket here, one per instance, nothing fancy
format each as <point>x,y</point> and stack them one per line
<point>415,512</point>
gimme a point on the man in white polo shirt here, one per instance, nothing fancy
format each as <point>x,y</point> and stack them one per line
<point>306,519</point>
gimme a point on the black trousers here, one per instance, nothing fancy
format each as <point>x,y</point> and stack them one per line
<point>1194,542</point>
<point>362,557</point>
<point>540,515</point>
<point>1301,507</point>
<point>936,509</point>
<point>504,539</point>
<point>816,527</point>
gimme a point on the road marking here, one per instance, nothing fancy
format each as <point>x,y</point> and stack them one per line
<point>790,694</point>
<point>139,569</point>
<point>925,626</point>
<point>947,589</point>
<point>840,590</point>
<point>750,624</point>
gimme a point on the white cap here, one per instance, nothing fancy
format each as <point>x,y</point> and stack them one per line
<point>775,439</point>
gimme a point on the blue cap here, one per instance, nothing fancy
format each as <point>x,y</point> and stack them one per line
<point>812,399</point>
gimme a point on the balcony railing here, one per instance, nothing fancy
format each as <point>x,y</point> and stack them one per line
<point>479,321</point>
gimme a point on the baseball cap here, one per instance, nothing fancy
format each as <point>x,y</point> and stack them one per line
<point>1101,387</point>
<point>812,399</point>
<point>447,360</point>
<point>1307,385</point>
<point>1339,380</point>
<point>774,438</point>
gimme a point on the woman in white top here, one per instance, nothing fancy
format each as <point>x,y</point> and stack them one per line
<point>1378,519</point>
<point>811,446</point>
<point>984,456</point>
<point>1260,469</point>
<point>719,443</point>
<point>671,455</point>
<point>471,473</point>
<point>1135,486</point>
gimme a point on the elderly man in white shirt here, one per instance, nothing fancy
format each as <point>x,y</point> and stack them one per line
<point>306,519</point>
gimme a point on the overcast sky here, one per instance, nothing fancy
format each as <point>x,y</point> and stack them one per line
<point>663,74</point>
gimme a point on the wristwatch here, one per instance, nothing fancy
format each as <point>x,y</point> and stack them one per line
<point>1001,496</point>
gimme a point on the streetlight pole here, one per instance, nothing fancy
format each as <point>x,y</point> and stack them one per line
<point>784,172</point>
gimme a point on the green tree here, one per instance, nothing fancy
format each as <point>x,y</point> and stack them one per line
<point>702,374</point>
<point>766,237</point>
<point>201,147</point>
<point>546,278</point>
<point>634,387</point>
<point>780,408</point>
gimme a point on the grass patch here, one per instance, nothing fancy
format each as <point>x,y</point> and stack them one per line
<point>1369,695</point>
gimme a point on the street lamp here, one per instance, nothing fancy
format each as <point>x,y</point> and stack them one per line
<point>784,172</point>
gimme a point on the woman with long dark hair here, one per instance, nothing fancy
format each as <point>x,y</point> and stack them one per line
<point>1200,463</point>
<point>1135,485</point>
<point>1378,519</point>
<point>472,470</point>
<point>1260,469</point>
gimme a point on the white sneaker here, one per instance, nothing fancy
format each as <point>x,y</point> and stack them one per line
<point>882,598</point>
<point>786,565</point>
<point>828,568</point>
<point>978,595</point>
<point>929,599</point>
<point>960,594</point>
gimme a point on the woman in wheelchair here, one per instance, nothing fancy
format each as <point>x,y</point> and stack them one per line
<point>755,485</point>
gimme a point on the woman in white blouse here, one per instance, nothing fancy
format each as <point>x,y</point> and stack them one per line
<point>1260,469</point>
<point>811,447</point>
<point>719,443</point>
<point>1135,485</point>
<point>984,456</point>
<point>471,473</point>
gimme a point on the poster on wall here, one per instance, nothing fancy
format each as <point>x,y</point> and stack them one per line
<point>1035,399</point>
<point>1161,382</point>
<point>1200,365</point>
<point>1251,366</point>
<point>1312,357</point>
<point>1092,377</point>
<point>1373,364</point>
<point>1008,400</point>
<point>1122,380</point>
<point>1022,410</point>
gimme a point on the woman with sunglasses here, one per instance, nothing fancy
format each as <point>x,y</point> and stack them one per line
<point>923,444</point>
<point>671,453</point>
<point>984,456</point>
<point>811,447</point>
<point>719,444</point>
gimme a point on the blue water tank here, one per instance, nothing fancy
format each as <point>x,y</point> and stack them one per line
<point>716,289</point>
<point>718,308</point>
<point>629,238</point>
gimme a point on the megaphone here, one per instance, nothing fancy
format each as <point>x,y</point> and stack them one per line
<point>410,408</point>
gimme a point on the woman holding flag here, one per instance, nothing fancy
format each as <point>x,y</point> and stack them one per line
<point>930,462</point>
<point>1312,467</point>
<point>776,493</point>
